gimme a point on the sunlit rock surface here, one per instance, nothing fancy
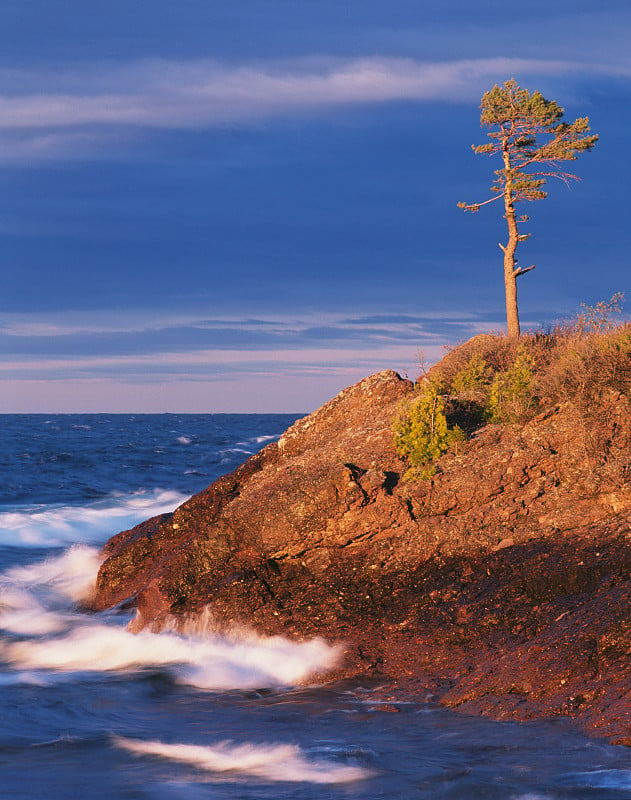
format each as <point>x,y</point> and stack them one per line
<point>502,586</point>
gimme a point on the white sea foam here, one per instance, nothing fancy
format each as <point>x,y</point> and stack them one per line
<point>247,443</point>
<point>216,663</point>
<point>93,523</point>
<point>70,575</point>
<point>261,439</point>
<point>39,603</point>
<point>272,762</point>
<point>37,599</point>
<point>531,796</point>
<point>21,612</point>
<point>616,779</point>
<point>184,439</point>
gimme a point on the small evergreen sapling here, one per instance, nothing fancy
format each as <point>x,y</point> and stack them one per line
<point>513,391</point>
<point>421,432</point>
<point>471,382</point>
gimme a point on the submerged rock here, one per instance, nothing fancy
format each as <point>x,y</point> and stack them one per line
<point>501,586</point>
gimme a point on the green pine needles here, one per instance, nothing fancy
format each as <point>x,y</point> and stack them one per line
<point>582,364</point>
<point>471,382</point>
<point>421,432</point>
<point>528,134</point>
<point>512,391</point>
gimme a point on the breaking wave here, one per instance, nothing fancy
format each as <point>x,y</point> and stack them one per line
<point>39,603</point>
<point>217,664</point>
<point>272,762</point>
<point>42,598</point>
<point>54,526</point>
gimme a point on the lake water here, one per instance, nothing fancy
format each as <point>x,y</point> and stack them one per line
<point>88,710</point>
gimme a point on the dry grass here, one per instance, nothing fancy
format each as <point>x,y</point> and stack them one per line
<point>584,363</point>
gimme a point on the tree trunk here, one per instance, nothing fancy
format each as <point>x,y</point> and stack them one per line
<point>510,284</point>
<point>510,272</point>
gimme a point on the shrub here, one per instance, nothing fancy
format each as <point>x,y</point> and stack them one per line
<point>583,363</point>
<point>421,432</point>
<point>472,382</point>
<point>601,317</point>
<point>512,392</point>
<point>469,393</point>
<point>592,372</point>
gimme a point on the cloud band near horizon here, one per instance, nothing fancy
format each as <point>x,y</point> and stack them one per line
<point>320,354</point>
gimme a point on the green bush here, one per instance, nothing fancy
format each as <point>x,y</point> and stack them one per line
<point>472,381</point>
<point>512,392</point>
<point>469,394</point>
<point>421,432</point>
<point>583,363</point>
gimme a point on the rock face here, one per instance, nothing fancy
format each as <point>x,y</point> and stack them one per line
<point>293,510</point>
<point>502,586</point>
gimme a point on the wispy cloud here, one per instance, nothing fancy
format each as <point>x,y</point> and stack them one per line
<point>24,338</point>
<point>77,361</point>
<point>44,115</point>
<point>212,356</point>
<point>216,380</point>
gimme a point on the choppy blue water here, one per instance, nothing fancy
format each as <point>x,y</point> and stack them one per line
<point>89,710</point>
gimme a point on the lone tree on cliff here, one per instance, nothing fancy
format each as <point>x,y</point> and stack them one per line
<point>526,129</point>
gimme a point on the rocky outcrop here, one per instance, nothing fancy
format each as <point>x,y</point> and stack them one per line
<point>326,488</point>
<point>500,586</point>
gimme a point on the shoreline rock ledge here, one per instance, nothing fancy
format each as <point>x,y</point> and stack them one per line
<point>502,586</point>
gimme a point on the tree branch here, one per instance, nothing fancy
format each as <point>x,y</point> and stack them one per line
<point>476,206</point>
<point>522,271</point>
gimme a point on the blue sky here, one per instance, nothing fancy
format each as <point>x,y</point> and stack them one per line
<point>240,205</point>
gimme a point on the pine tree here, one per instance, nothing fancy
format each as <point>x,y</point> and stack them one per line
<point>421,431</point>
<point>528,132</point>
